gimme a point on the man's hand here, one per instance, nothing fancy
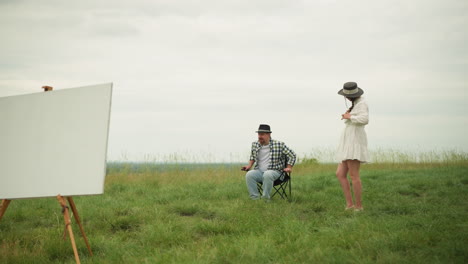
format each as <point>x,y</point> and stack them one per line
<point>288,169</point>
<point>246,168</point>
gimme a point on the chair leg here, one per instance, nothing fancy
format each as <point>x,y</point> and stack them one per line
<point>276,191</point>
<point>284,190</point>
<point>280,190</point>
<point>259,188</point>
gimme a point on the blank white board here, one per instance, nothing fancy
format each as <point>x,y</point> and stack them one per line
<point>54,142</point>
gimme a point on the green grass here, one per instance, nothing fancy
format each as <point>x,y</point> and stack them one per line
<point>175,213</point>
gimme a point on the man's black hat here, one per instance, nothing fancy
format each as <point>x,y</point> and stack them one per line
<point>264,129</point>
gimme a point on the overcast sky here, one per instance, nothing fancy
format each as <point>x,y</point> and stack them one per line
<point>196,78</point>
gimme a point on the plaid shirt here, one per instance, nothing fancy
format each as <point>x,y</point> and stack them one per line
<point>279,155</point>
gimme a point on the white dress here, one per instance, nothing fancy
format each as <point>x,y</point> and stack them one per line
<point>353,141</point>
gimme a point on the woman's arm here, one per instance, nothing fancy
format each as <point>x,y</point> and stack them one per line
<point>360,114</point>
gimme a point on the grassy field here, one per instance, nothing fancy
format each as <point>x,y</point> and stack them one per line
<point>176,213</point>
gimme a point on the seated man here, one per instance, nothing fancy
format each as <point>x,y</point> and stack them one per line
<point>270,156</point>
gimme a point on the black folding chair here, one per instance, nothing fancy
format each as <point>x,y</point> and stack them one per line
<point>280,186</point>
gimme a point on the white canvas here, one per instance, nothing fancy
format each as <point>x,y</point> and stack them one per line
<point>54,142</point>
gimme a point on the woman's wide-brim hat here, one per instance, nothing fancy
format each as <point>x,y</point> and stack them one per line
<point>263,129</point>
<point>351,90</point>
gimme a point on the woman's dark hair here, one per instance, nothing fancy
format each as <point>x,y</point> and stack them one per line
<point>352,101</point>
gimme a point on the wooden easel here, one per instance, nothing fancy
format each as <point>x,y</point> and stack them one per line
<point>3,207</point>
<point>65,211</point>
<point>47,88</point>
<point>66,217</point>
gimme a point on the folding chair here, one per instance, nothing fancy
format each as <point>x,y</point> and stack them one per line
<point>279,186</point>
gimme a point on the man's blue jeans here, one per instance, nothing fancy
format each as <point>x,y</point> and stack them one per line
<point>268,177</point>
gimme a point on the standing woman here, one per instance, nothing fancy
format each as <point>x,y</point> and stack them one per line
<point>352,149</point>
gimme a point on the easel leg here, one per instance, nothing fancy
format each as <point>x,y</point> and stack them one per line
<point>77,217</point>
<point>3,207</point>
<point>66,217</point>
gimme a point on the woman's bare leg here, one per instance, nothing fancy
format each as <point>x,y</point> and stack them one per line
<point>353,166</point>
<point>341,172</point>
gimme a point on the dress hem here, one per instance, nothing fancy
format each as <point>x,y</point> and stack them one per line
<point>362,161</point>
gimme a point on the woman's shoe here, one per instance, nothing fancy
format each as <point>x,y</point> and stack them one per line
<point>349,208</point>
<point>358,209</point>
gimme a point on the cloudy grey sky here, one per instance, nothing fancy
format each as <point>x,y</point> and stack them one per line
<point>197,77</point>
